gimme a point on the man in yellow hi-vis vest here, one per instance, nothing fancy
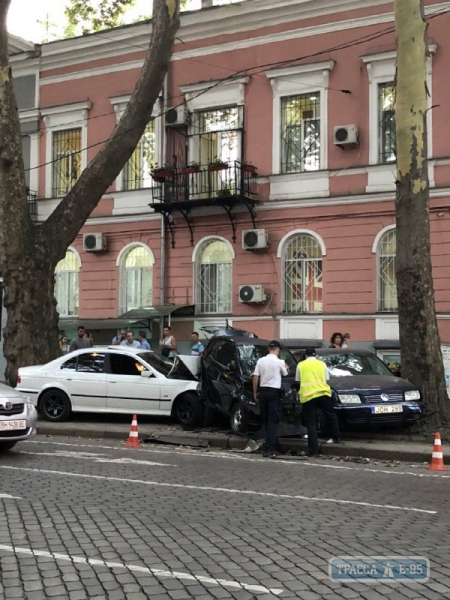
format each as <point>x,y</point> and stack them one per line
<point>315,394</point>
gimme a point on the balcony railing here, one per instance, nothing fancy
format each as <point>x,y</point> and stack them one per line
<point>205,183</point>
<point>32,204</point>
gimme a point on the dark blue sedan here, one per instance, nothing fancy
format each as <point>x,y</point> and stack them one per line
<point>366,392</point>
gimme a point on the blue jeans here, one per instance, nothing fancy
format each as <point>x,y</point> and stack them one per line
<point>271,411</point>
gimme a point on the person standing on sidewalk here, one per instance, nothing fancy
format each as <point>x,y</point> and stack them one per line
<point>267,374</point>
<point>315,394</point>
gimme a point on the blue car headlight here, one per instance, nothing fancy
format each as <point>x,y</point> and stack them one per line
<point>412,395</point>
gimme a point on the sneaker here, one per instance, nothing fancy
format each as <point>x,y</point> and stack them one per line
<point>305,437</point>
<point>334,441</point>
<point>273,455</point>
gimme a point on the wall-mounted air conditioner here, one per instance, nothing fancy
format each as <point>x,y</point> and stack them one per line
<point>254,239</point>
<point>94,242</point>
<point>251,293</point>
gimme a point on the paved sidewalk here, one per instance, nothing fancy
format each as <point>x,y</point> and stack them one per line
<point>380,447</point>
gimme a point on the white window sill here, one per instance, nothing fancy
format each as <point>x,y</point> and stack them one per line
<point>295,186</point>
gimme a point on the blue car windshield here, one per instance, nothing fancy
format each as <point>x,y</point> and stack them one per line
<point>352,363</point>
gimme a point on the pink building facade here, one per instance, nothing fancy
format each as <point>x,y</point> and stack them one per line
<point>295,238</point>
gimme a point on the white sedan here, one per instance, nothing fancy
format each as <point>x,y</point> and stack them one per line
<point>114,380</point>
<point>17,418</point>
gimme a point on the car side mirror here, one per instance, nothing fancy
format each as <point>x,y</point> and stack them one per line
<point>147,374</point>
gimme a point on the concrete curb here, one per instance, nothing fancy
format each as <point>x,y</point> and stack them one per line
<point>372,449</point>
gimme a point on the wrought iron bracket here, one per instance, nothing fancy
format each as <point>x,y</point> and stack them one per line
<point>185,213</point>
<point>250,206</point>
<point>229,211</point>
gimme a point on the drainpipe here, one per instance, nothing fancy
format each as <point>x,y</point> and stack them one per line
<point>162,291</point>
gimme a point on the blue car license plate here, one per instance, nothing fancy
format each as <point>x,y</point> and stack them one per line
<point>383,410</point>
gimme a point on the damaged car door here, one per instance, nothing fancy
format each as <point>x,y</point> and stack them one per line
<point>220,374</point>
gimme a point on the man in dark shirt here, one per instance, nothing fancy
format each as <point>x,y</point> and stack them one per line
<point>80,341</point>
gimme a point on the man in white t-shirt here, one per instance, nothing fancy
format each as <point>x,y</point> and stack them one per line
<point>267,374</point>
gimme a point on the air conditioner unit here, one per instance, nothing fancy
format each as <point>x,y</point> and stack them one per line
<point>254,239</point>
<point>251,293</point>
<point>176,116</point>
<point>94,242</point>
<point>345,135</point>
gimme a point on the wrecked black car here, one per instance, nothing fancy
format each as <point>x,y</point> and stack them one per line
<point>227,367</point>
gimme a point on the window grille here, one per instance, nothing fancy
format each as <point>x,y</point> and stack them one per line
<point>300,133</point>
<point>215,278</point>
<point>137,171</point>
<point>387,279</point>
<point>67,160</point>
<point>136,279</point>
<point>302,276</point>
<point>387,135</point>
<point>217,134</point>
<point>67,285</point>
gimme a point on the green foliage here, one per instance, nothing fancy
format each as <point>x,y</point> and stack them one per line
<point>95,15</point>
<point>88,16</point>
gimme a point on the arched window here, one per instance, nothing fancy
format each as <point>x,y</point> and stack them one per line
<point>67,285</point>
<point>214,277</point>
<point>387,280</point>
<point>302,275</point>
<point>136,278</point>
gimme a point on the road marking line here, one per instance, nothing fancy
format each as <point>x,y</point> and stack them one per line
<point>224,455</point>
<point>10,497</point>
<point>102,458</point>
<point>159,573</point>
<point>220,489</point>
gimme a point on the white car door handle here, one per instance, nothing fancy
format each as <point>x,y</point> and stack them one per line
<point>112,381</point>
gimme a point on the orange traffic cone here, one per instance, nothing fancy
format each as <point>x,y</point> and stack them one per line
<point>437,458</point>
<point>133,438</point>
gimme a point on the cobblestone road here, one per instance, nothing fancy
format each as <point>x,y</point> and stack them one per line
<point>86,519</point>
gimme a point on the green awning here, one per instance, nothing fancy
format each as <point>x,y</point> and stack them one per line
<point>136,316</point>
<point>161,310</point>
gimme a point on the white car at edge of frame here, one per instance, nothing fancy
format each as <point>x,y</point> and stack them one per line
<point>17,418</point>
<point>114,380</point>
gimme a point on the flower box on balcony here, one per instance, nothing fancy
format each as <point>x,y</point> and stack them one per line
<point>190,170</point>
<point>217,166</point>
<point>247,168</point>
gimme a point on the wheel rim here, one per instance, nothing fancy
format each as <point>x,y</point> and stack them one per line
<point>237,418</point>
<point>184,409</point>
<point>53,406</point>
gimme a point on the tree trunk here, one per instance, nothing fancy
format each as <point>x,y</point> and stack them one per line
<point>31,332</point>
<point>28,253</point>
<point>419,337</point>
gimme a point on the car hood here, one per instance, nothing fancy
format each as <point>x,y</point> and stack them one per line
<point>370,383</point>
<point>185,367</point>
<point>10,393</point>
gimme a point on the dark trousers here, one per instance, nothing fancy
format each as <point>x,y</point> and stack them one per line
<point>270,407</point>
<point>310,413</point>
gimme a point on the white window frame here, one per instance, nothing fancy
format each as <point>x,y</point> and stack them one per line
<point>210,96</point>
<point>292,81</point>
<point>121,257</point>
<point>196,256</point>
<point>375,251</point>
<point>381,68</point>
<point>78,257</point>
<point>61,118</point>
<point>281,250</point>
<point>119,104</point>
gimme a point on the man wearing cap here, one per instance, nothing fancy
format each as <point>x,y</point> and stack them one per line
<point>315,394</point>
<point>267,374</point>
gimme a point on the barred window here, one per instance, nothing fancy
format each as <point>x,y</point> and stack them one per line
<point>302,276</point>
<point>214,276</point>
<point>136,279</point>
<point>137,171</point>
<point>67,287</point>
<point>300,133</point>
<point>66,160</point>
<point>387,136</point>
<point>387,280</point>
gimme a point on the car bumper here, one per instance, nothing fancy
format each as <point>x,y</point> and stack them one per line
<point>16,435</point>
<point>365,415</point>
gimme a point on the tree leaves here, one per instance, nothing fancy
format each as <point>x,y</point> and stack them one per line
<point>95,15</point>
